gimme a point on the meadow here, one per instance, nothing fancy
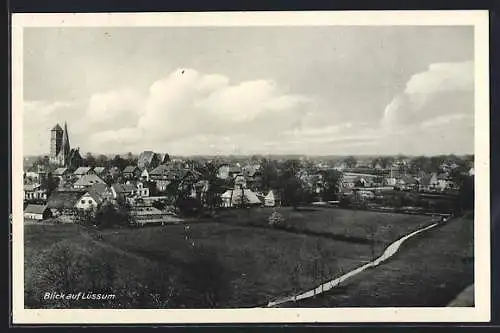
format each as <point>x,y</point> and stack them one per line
<point>236,260</point>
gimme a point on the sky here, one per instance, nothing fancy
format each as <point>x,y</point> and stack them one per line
<point>333,90</point>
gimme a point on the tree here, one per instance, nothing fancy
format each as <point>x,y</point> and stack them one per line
<point>90,160</point>
<point>102,160</point>
<point>293,192</point>
<point>350,162</point>
<point>386,162</point>
<point>270,175</point>
<point>118,162</point>
<point>109,215</point>
<point>51,184</point>
<point>465,200</point>
<point>331,180</point>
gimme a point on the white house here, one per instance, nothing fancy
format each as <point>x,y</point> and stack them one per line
<point>140,190</point>
<point>88,201</point>
<point>145,175</point>
<point>233,197</point>
<point>36,212</point>
<point>34,192</point>
<point>272,199</point>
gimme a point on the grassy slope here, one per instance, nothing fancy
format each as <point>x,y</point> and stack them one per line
<point>429,270</point>
<point>258,262</point>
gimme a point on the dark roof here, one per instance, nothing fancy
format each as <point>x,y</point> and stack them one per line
<point>64,199</point>
<point>123,188</point>
<point>99,189</point>
<point>130,169</point>
<point>88,180</point>
<point>99,192</point>
<point>57,128</point>
<point>409,180</point>
<point>35,209</point>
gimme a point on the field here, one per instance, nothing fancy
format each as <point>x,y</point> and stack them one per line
<point>436,267</point>
<point>236,261</point>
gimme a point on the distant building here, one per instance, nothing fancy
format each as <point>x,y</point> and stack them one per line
<point>83,171</point>
<point>34,192</point>
<point>148,159</point>
<point>61,153</point>
<point>87,181</point>
<point>131,172</point>
<point>272,199</point>
<point>36,212</point>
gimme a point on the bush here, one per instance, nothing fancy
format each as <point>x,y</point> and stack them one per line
<point>276,219</point>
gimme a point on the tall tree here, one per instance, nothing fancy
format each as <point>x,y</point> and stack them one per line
<point>90,160</point>
<point>350,162</point>
<point>102,160</point>
<point>331,180</point>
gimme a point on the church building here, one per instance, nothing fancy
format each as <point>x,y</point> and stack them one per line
<point>61,153</point>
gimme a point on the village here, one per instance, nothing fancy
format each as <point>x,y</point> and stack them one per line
<point>156,188</point>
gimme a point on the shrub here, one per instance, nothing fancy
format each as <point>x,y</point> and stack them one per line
<point>276,219</point>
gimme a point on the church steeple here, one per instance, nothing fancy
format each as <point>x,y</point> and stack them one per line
<point>66,148</point>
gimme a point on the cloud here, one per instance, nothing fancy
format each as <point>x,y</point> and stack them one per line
<point>109,107</point>
<point>433,93</point>
<point>187,103</point>
<point>43,108</point>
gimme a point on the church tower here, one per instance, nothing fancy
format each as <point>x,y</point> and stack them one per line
<point>60,148</point>
<point>56,140</point>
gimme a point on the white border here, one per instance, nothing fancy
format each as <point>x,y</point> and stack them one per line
<point>479,313</point>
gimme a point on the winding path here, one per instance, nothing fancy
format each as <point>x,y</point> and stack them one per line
<point>388,253</point>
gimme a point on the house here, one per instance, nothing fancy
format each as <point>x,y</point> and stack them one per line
<point>87,181</point>
<point>83,171</point>
<point>145,175</point>
<point>60,173</point>
<point>272,199</point>
<point>62,202</point>
<point>408,183</point>
<point>89,201</point>
<point>36,212</point>
<point>34,192</point>
<point>140,190</point>
<point>148,159</point>
<point>123,191</point>
<point>442,181</point>
<point>95,196</point>
<point>131,172</point>
<point>164,175</point>
<point>234,197</point>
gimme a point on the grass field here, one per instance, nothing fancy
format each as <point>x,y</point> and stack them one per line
<point>429,271</point>
<point>253,263</point>
<point>341,224</point>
